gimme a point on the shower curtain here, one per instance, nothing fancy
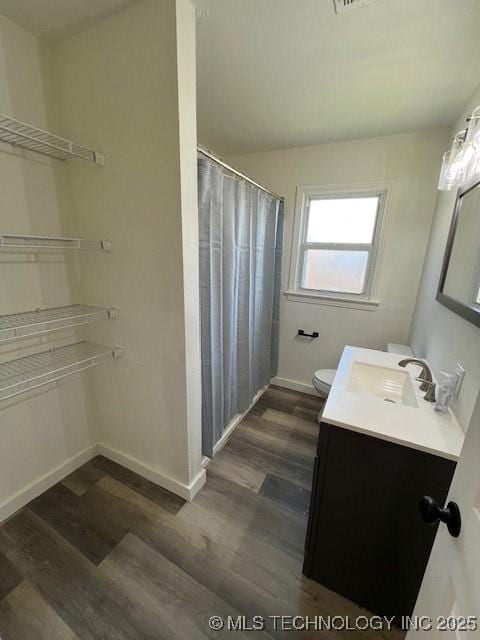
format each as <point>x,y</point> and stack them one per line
<point>241,230</point>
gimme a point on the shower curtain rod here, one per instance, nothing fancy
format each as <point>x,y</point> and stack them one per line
<point>212,156</point>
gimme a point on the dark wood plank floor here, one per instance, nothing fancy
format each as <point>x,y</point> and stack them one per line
<point>107,555</point>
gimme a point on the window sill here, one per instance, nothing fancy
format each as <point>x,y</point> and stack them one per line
<point>365,304</point>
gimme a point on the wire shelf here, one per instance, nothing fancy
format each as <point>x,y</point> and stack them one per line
<point>41,321</point>
<point>31,372</point>
<point>13,242</point>
<point>24,135</point>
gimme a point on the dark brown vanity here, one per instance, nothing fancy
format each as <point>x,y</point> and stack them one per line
<point>366,539</point>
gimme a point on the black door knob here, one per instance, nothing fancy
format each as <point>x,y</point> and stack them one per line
<point>450,515</point>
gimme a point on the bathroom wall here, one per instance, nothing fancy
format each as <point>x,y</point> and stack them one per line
<point>127,88</point>
<point>438,334</point>
<point>138,105</point>
<point>46,433</point>
<point>187,116</point>
<point>409,163</point>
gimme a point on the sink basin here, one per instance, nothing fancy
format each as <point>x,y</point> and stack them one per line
<point>389,385</point>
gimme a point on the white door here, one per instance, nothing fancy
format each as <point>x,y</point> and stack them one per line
<point>450,592</point>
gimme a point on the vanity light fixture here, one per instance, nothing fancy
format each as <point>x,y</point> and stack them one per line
<point>341,6</point>
<point>461,163</point>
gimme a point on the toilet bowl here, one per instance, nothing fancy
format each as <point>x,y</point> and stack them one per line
<point>322,381</point>
<point>323,378</point>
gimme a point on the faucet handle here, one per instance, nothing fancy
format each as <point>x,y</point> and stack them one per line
<point>425,383</point>
<point>431,386</point>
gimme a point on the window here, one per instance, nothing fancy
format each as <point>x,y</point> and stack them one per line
<point>336,244</point>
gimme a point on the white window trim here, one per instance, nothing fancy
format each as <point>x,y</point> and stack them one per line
<point>370,299</point>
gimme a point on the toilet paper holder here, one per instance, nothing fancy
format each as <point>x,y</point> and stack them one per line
<point>302,333</point>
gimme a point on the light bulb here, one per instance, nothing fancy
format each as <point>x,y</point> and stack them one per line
<point>472,144</point>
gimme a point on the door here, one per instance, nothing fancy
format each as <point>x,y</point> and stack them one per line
<point>450,591</point>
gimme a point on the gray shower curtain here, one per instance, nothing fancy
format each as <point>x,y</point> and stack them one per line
<point>241,230</point>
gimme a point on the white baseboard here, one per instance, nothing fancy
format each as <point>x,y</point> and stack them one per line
<point>35,488</point>
<point>187,492</point>
<point>294,385</point>
<point>233,424</point>
<point>21,498</point>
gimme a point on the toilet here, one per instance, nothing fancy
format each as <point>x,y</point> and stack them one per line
<point>323,378</point>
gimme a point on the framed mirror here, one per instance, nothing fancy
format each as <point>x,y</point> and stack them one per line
<point>459,287</point>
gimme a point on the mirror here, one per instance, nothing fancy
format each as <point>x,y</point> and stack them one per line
<point>459,287</point>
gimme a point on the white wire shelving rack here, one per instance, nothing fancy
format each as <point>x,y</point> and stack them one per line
<point>40,369</point>
<point>42,321</point>
<point>17,242</point>
<point>23,135</point>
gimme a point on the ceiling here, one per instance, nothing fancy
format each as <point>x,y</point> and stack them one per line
<point>58,19</point>
<point>280,73</point>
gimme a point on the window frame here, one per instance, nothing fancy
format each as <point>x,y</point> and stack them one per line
<point>368,298</point>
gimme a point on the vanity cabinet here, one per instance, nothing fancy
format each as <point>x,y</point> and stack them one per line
<point>365,538</point>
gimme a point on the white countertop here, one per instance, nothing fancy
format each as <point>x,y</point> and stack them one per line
<point>420,428</point>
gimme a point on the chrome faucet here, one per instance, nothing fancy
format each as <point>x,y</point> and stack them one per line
<point>425,377</point>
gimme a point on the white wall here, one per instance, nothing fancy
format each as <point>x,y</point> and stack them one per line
<point>45,433</point>
<point>438,334</point>
<point>137,103</point>
<point>124,90</point>
<point>409,163</point>
<point>187,110</point>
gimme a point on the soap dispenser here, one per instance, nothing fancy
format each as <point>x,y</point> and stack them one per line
<point>445,392</point>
